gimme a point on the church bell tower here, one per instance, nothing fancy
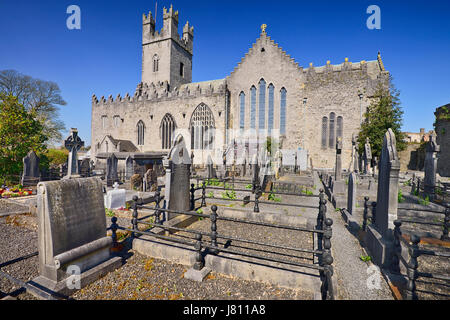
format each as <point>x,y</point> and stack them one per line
<point>166,56</point>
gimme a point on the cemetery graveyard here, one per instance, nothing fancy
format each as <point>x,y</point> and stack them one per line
<point>280,181</point>
<point>262,230</point>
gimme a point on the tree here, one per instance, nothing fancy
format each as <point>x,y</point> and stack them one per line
<point>20,132</point>
<point>42,98</point>
<point>383,113</point>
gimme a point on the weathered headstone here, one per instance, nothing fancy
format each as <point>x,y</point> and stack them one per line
<point>129,168</point>
<point>255,171</point>
<point>302,159</point>
<point>73,247</point>
<point>85,168</point>
<point>179,163</point>
<point>193,173</point>
<point>150,181</point>
<point>432,148</point>
<point>73,143</point>
<point>278,163</point>
<point>379,235</point>
<point>367,157</point>
<point>354,162</point>
<point>351,194</point>
<point>136,182</point>
<point>338,184</point>
<point>111,170</point>
<point>211,172</point>
<point>115,199</point>
<point>31,173</point>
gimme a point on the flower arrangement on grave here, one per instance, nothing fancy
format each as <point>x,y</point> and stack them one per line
<point>14,192</point>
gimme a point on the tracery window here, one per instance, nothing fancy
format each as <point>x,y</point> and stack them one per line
<point>262,105</point>
<point>324,132</point>
<point>202,128</point>
<point>332,133</point>
<point>253,107</point>
<point>283,111</point>
<point>242,111</point>
<point>271,107</point>
<point>140,133</point>
<point>167,129</point>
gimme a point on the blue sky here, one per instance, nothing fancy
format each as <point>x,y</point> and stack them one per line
<point>104,57</point>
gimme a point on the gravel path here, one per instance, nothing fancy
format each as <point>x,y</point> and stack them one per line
<point>16,242</point>
<point>274,236</point>
<point>8,207</point>
<point>352,272</point>
<point>143,277</point>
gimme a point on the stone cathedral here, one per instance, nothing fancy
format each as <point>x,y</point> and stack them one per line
<point>268,93</point>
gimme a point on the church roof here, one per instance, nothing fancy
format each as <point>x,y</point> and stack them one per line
<point>125,145</point>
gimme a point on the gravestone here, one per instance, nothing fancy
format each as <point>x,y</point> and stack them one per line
<point>179,163</point>
<point>129,168</point>
<point>367,157</point>
<point>73,143</point>
<point>338,184</point>
<point>278,163</point>
<point>379,234</point>
<point>432,148</point>
<point>85,168</point>
<point>193,173</point>
<point>136,182</point>
<point>150,181</point>
<point>31,173</point>
<point>111,170</point>
<point>351,194</point>
<point>354,162</point>
<point>255,171</point>
<point>115,199</point>
<point>73,247</point>
<point>265,174</point>
<point>211,172</point>
<point>302,159</point>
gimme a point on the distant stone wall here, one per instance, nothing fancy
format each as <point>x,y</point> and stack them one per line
<point>412,158</point>
<point>442,128</point>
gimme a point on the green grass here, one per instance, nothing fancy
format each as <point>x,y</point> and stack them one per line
<point>109,212</point>
<point>272,197</point>
<point>229,195</point>
<point>400,196</point>
<point>365,258</point>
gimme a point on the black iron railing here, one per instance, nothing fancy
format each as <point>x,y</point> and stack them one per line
<point>412,265</point>
<point>323,230</point>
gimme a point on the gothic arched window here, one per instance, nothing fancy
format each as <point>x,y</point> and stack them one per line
<point>324,132</point>
<point>262,105</point>
<point>140,133</point>
<point>167,128</point>
<point>283,111</point>
<point>332,135</point>
<point>339,127</point>
<point>202,128</point>
<point>242,110</point>
<point>155,63</point>
<point>271,92</point>
<point>253,107</point>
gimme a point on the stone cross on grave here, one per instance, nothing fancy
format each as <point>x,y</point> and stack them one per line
<point>367,157</point>
<point>430,166</point>
<point>338,167</point>
<point>354,162</point>
<point>73,143</point>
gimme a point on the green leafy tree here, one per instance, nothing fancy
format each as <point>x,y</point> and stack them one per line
<point>383,113</point>
<point>40,98</point>
<point>20,132</point>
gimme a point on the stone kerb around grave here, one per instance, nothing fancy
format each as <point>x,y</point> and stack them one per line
<point>72,233</point>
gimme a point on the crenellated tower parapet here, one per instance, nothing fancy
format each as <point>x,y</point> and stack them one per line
<point>165,55</point>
